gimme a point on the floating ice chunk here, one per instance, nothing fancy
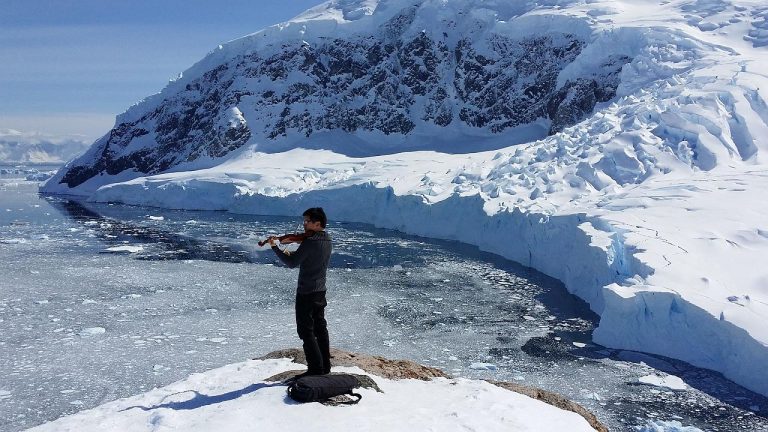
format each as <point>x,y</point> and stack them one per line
<point>156,218</point>
<point>127,248</point>
<point>5,394</point>
<point>529,318</point>
<point>217,339</point>
<point>40,176</point>
<point>591,395</point>
<point>88,301</point>
<point>13,241</point>
<point>483,366</point>
<point>636,357</point>
<point>579,344</point>
<point>191,222</point>
<point>670,382</point>
<point>92,331</point>
<point>666,426</point>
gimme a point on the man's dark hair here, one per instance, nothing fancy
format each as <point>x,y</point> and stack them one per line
<point>316,214</point>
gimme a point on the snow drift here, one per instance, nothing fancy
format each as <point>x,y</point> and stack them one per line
<point>237,398</point>
<point>634,172</point>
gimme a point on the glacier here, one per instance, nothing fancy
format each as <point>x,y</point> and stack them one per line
<point>640,183</point>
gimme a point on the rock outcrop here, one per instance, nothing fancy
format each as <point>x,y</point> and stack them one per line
<point>376,365</point>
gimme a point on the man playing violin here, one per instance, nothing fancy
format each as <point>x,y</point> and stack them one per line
<point>312,257</point>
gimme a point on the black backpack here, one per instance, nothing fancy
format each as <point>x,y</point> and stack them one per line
<point>317,388</point>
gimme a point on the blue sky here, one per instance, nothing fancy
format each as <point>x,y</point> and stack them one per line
<point>69,66</point>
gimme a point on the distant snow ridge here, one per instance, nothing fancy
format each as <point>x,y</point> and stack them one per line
<point>617,146</point>
<point>35,147</point>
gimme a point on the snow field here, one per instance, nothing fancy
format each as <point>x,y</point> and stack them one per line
<point>235,398</point>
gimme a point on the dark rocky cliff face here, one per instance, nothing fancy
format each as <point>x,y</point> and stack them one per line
<point>378,83</point>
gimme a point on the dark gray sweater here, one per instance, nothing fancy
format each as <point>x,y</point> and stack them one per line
<point>312,257</point>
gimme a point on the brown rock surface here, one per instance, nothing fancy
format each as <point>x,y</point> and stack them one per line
<point>379,366</point>
<point>403,369</point>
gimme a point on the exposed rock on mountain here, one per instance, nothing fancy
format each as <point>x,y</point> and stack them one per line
<point>383,89</point>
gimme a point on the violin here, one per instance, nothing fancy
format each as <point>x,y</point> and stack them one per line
<point>289,238</point>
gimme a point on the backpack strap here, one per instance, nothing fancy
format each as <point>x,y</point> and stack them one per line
<point>352,402</point>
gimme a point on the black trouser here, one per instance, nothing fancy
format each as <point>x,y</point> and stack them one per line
<point>313,331</point>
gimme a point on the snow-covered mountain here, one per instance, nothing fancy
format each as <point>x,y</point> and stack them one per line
<point>408,76</point>
<point>618,146</point>
<point>35,147</point>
